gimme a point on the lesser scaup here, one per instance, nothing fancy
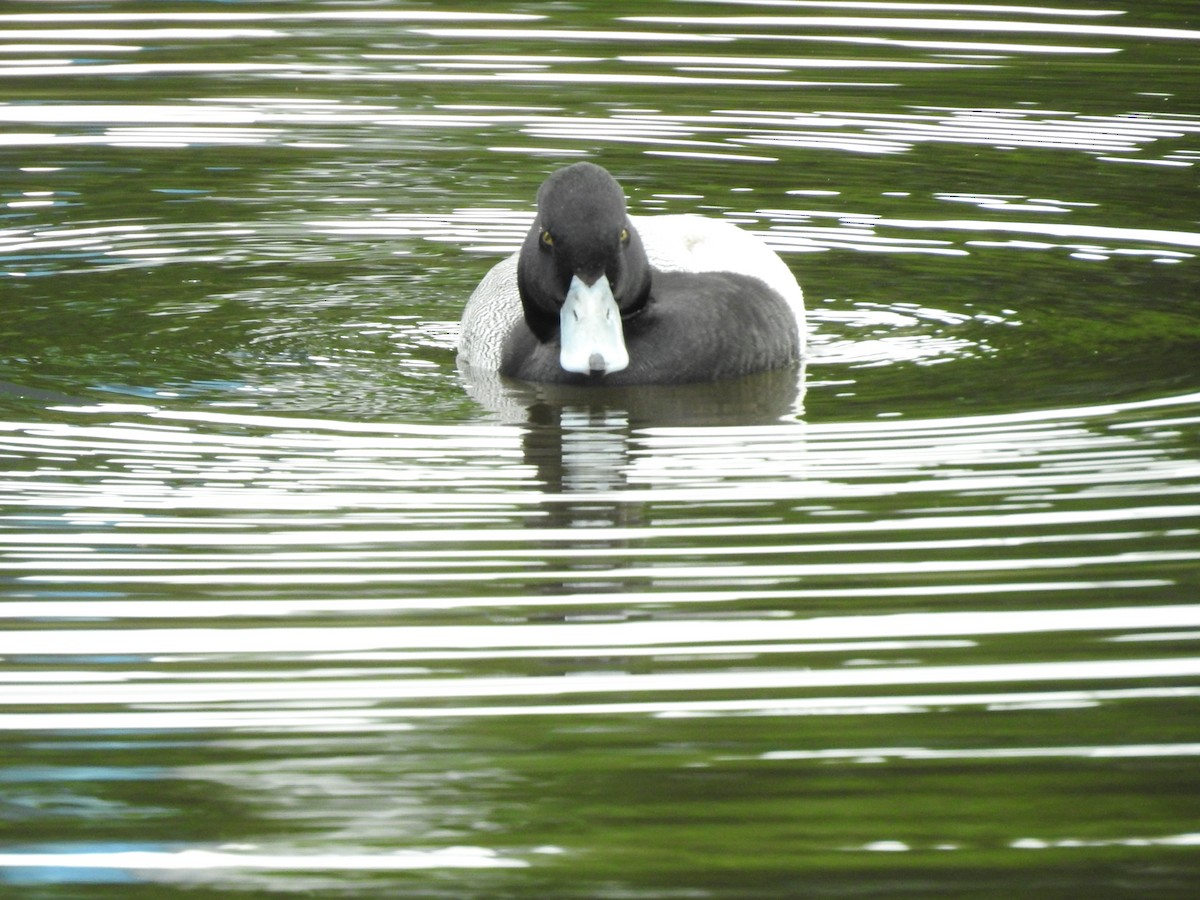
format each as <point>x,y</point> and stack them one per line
<point>595,296</point>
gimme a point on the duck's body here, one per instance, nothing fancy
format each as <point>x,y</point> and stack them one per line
<point>595,296</point>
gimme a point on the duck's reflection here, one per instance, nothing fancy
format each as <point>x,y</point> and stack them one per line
<point>577,450</point>
<point>582,441</point>
<point>757,399</point>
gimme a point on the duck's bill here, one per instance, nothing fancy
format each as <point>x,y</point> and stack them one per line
<point>593,342</point>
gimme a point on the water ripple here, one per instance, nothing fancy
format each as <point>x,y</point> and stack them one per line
<point>899,23</point>
<point>333,618</point>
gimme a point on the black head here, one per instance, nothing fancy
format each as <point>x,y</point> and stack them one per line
<point>581,230</point>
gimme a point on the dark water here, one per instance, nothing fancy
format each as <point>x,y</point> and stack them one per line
<point>291,608</point>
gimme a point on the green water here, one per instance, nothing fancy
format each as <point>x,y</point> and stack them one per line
<point>291,607</point>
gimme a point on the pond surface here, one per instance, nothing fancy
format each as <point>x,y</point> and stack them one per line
<point>292,607</point>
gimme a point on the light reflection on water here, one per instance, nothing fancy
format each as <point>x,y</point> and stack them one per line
<point>975,26</point>
<point>1040,512</point>
<point>293,121</point>
<point>238,858</point>
<point>308,610</point>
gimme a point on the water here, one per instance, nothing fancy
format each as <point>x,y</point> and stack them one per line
<point>291,607</point>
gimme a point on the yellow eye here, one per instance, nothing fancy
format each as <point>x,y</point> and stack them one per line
<point>624,235</point>
<point>547,239</point>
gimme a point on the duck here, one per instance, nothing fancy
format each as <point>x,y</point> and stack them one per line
<point>595,296</point>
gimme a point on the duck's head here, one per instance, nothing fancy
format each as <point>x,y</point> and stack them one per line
<point>582,269</point>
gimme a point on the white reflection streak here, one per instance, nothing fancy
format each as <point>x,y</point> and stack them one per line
<point>150,641</point>
<point>1054,229</point>
<point>157,116</point>
<point>142,34</point>
<point>707,651</point>
<point>954,46</point>
<point>615,78</point>
<point>752,62</point>
<point>81,559</point>
<point>553,34</point>
<point>956,425</point>
<point>914,6</point>
<point>448,858</point>
<point>1118,751</point>
<point>116,609</point>
<point>874,22</point>
<point>345,717</point>
<point>364,13</point>
<point>238,538</point>
<point>164,68</point>
<point>1174,840</point>
<point>694,573</point>
<point>315,693</point>
<point>69,48</point>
